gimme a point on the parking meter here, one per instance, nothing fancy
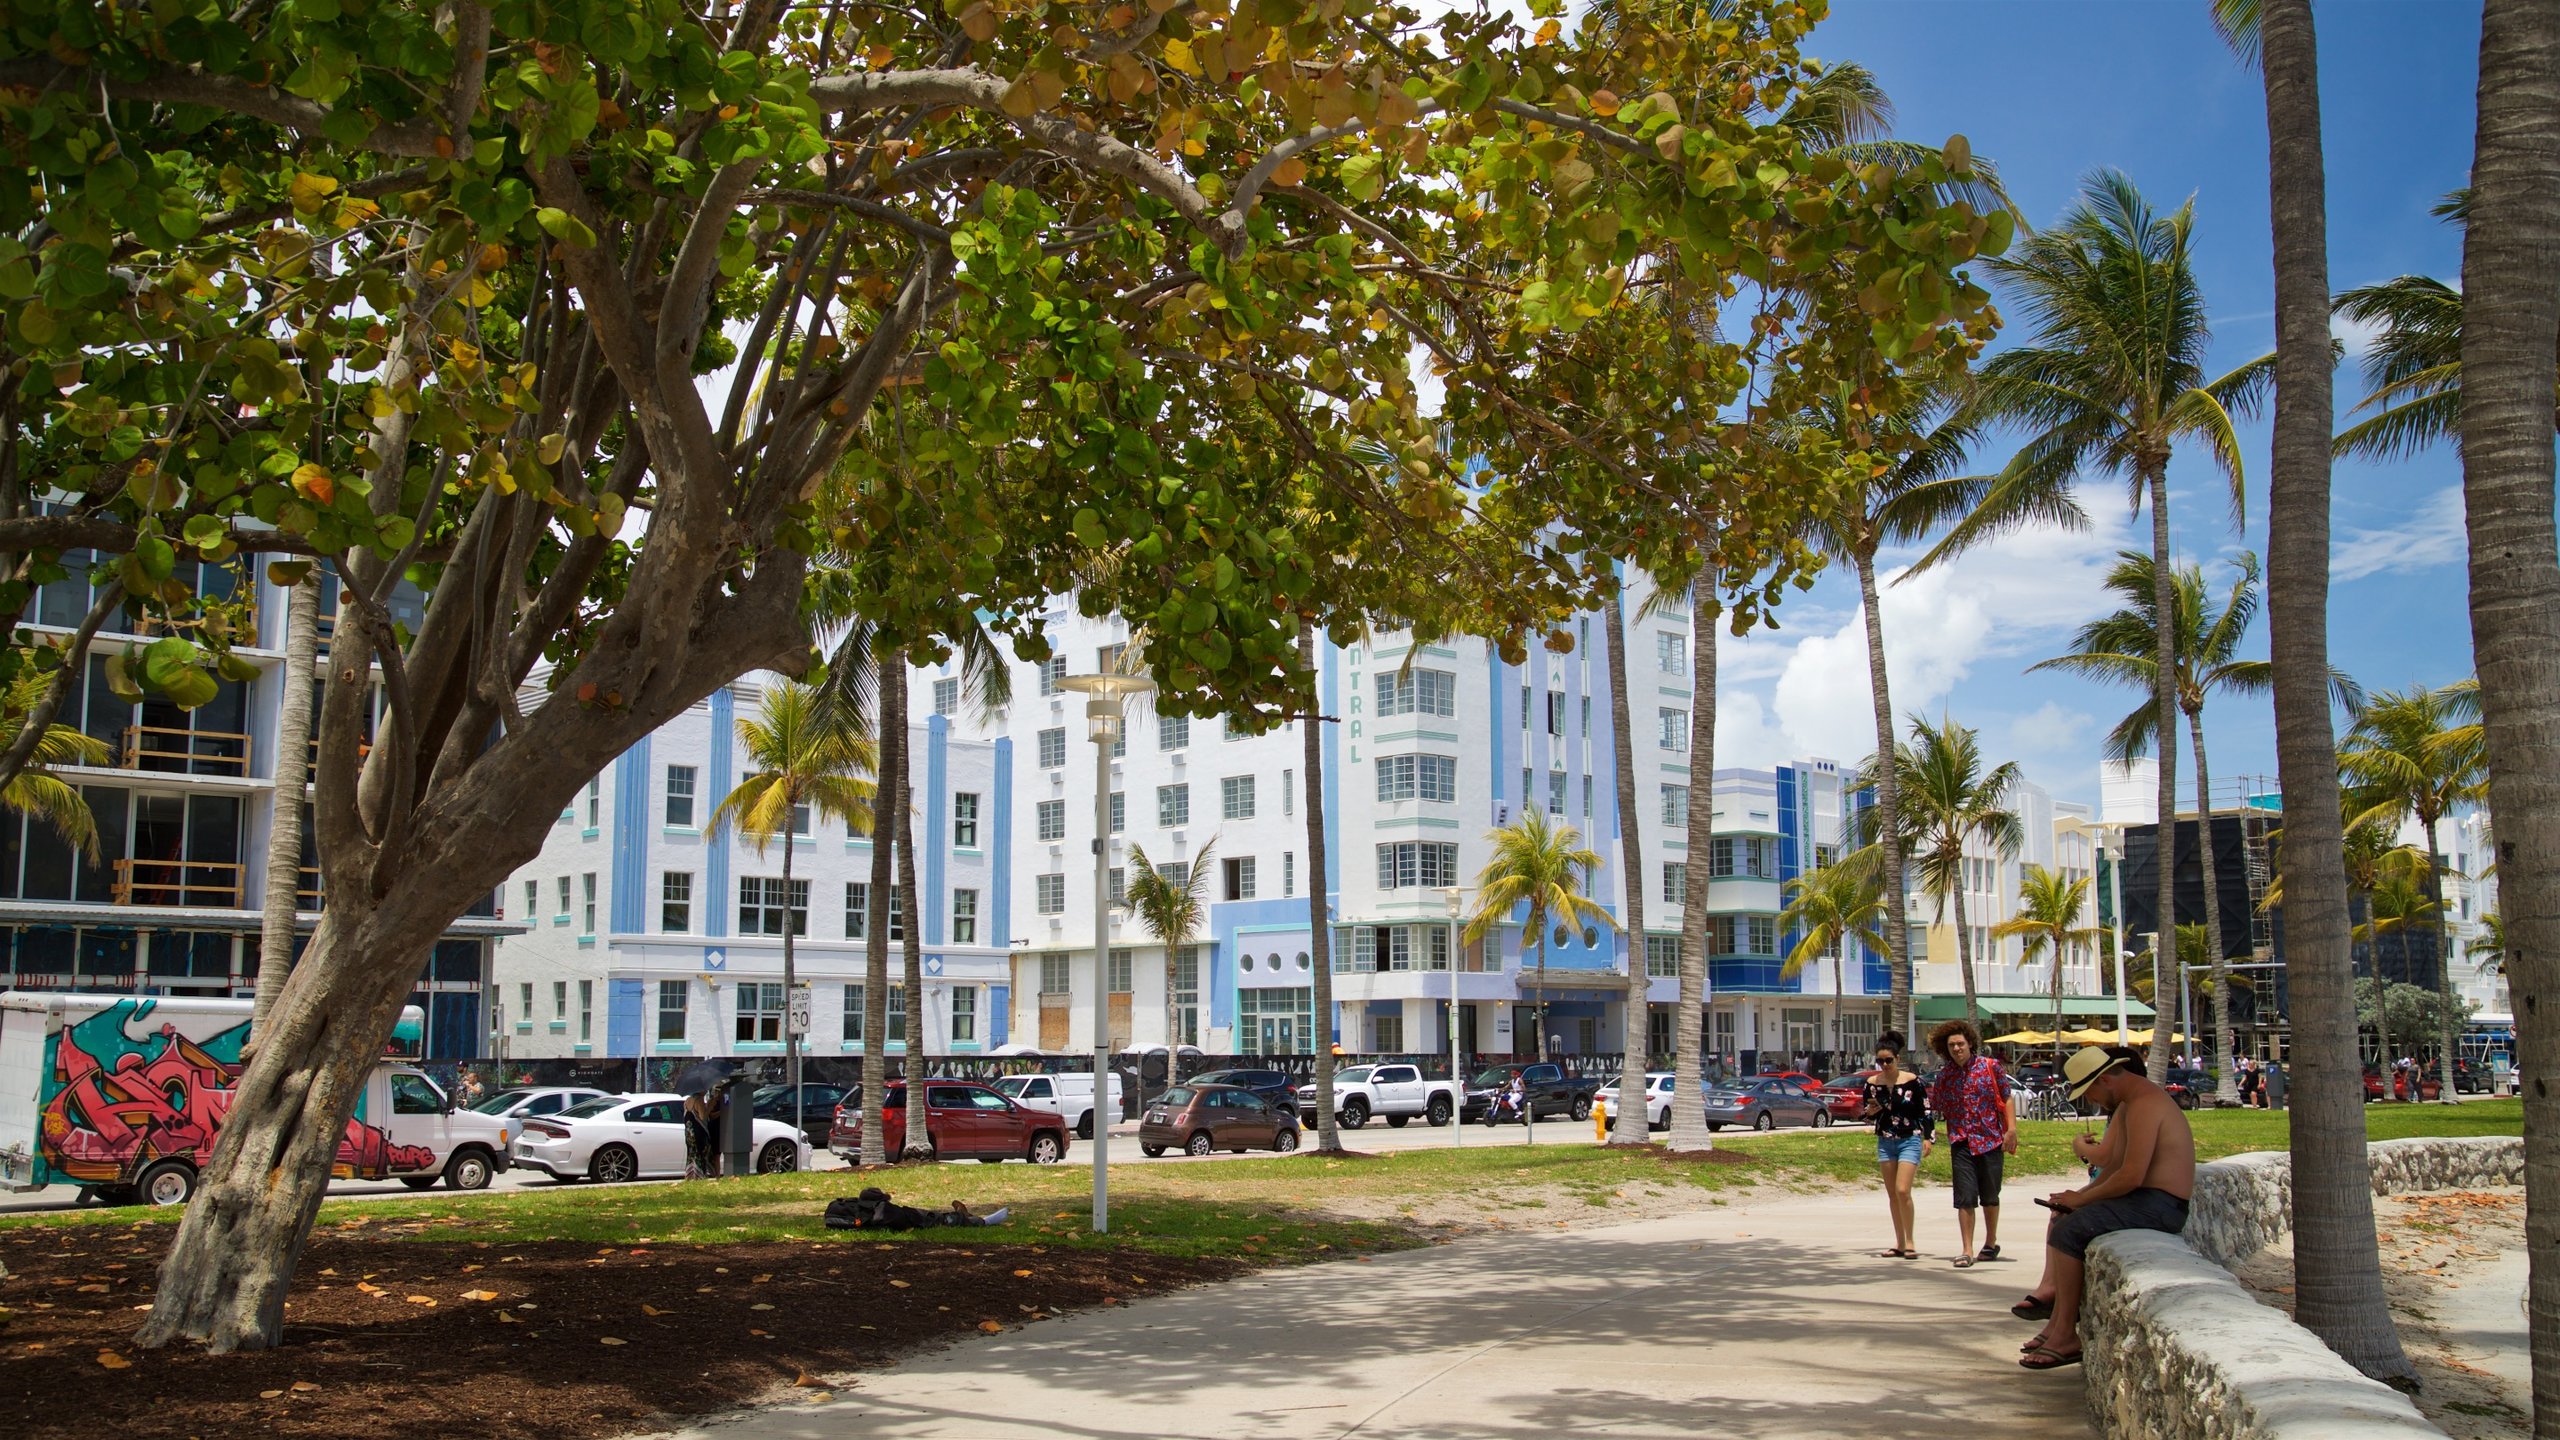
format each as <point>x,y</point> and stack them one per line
<point>737,1128</point>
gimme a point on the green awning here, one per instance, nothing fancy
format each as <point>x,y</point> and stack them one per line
<point>1934,1008</point>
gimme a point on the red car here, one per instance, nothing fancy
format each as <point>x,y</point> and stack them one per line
<point>2429,1087</point>
<point>1793,1077</point>
<point>1846,1095</point>
<point>963,1121</point>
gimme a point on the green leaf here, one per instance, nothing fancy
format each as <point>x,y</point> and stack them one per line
<point>1363,174</point>
<point>564,227</point>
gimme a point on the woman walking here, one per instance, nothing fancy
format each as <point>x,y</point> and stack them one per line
<point>1899,1105</point>
<point>1982,1131</point>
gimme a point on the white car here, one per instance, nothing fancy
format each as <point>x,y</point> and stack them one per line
<point>531,1102</point>
<point>636,1137</point>
<point>1657,1100</point>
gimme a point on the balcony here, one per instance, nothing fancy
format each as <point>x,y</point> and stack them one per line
<point>204,883</point>
<point>184,751</point>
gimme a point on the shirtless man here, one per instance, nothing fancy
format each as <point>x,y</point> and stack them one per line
<point>2147,1171</point>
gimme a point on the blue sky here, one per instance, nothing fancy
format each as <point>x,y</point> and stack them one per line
<point>2052,90</point>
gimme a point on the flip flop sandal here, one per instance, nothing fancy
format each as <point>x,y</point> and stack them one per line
<point>1964,1262</point>
<point>1892,1254</point>
<point>1989,1252</point>
<point>2042,1359</point>
<point>1910,1254</point>
<point>2032,1346</point>
<point>2032,1309</point>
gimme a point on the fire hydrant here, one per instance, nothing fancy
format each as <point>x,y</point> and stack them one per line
<point>1599,1125</point>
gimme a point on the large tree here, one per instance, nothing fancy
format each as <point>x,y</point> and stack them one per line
<point>1950,804</point>
<point>1835,911</point>
<point>2510,368</point>
<point>1540,870</point>
<point>2050,905</point>
<point>1631,1128</point>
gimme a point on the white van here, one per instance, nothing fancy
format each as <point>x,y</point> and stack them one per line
<point>124,1097</point>
<point>1069,1096</point>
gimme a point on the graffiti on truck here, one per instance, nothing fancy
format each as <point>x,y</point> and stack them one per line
<point>119,1098</point>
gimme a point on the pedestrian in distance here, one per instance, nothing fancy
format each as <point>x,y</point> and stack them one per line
<point>1897,1103</point>
<point>2147,1171</point>
<point>702,1116</point>
<point>1971,1096</point>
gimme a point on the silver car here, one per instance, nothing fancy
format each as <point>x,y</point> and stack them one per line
<point>1766,1105</point>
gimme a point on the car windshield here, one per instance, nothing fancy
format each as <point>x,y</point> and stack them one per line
<point>1354,1075</point>
<point>586,1109</point>
<point>1492,1079</point>
<point>1176,1097</point>
<point>1012,1085</point>
<point>501,1102</point>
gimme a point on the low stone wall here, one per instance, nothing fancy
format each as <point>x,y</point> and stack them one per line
<point>2177,1350</point>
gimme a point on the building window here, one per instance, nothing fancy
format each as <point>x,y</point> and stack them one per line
<point>964,820</point>
<point>1417,777</point>
<point>946,696</point>
<point>587,903</point>
<point>562,914</point>
<point>1524,707</point>
<point>1050,819</point>
<point>766,904</point>
<point>1054,974</point>
<point>1675,882</point>
<point>1119,971</point>
<point>1052,670</point>
<point>853,1006</point>
<point>1675,806</point>
<point>853,1014</point>
<point>964,1014</point>
<point>560,1003</point>
<point>532,899</point>
<point>1555,792</point>
<point>1288,792</point>
<point>1235,797</point>
<point>1173,732</point>
<point>671,1011</point>
<point>1239,877</point>
<point>1555,712</point>
<point>586,1011</point>
<point>1186,995</point>
<point>1049,894</point>
<point>1662,956</point>
<point>1288,872</point>
<point>1053,747</point>
<point>964,917</point>
<point>1674,729</point>
<point>1275,1021</point>
<point>1119,885</point>
<point>1173,805</point>
<point>595,801</point>
<point>857,912</point>
<point>1419,692</point>
<point>1119,811</point>
<point>1426,863</point>
<point>1672,651</point>
<point>1586,799</point>
<point>1390,1034</point>
<point>524,992</point>
<point>680,796</point>
<point>675,902</point>
<point>1763,935</point>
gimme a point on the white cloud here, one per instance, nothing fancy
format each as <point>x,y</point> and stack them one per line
<point>2432,536</point>
<point>2054,729</point>
<point>2356,335</point>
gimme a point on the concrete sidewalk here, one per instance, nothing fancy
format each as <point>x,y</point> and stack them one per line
<point>1770,1318</point>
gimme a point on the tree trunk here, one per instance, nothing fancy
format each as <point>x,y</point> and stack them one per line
<point>1964,950</point>
<point>2451,1025</point>
<point>1897,928</point>
<point>2337,1273</point>
<point>891,747</point>
<point>283,899</point>
<point>1688,1042</point>
<point>2226,1082</point>
<point>1319,911</point>
<point>1538,933</point>
<point>1631,1127</point>
<point>2164,706</point>
<point>911,916</point>
<point>790,975</point>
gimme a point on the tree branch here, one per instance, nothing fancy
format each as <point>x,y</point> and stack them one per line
<point>75,659</point>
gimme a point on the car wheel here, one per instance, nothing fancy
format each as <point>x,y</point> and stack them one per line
<point>1286,1141</point>
<point>1200,1144</point>
<point>469,1170</point>
<point>1397,1122</point>
<point>1354,1113</point>
<point>1151,1151</point>
<point>170,1182</point>
<point>1765,1121</point>
<point>613,1165</point>
<point>1581,1107</point>
<point>1821,1119</point>
<point>1662,1124</point>
<point>777,1157</point>
<point>1048,1149</point>
<point>1084,1126</point>
<point>1713,1127</point>
<point>419,1182</point>
<point>1438,1114</point>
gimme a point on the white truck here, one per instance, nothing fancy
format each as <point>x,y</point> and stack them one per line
<point>1068,1096</point>
<point>1396,1093</point>
<point>124,1097</point>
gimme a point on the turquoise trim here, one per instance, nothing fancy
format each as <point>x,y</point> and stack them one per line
<point>686,831</point>
<point>559,919</point>
<point>672,1047</point>
<point>1670,768</point>
<point>583,1048</point>
<point>524,1027</point>
<point>1414,822</point>
<point>1673,691</point>
<point>589,833</point>
<point>586,942</point>
<point>557,1027</point>
<point>1449,735</point>
<point>758,1047</point>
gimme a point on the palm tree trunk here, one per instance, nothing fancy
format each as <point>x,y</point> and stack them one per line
<point>1319,908</point>
<point>1964,952</point>
<point>1631,1128</point>
<point>910,904</point>
<point>284,835</point>
<point>2057,1001</point>
<point>2452,1017</point>
<point>2164,705</point>
<point>2226,1083</point>
<point>891,748</point>
<point>790,978</point>
<point>2337,1273</point>
<point>2382,1015</point>
<point>1897,931</point>
<point>2510,317</point>
<point>1538,928</point>
<point>1688,1043</point>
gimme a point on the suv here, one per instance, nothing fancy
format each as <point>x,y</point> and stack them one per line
<point>963,1120</point>
<point>1397,1092</point>
<point>1275,1086</point>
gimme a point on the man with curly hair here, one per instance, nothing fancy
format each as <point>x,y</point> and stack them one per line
<point>1971,1098</point>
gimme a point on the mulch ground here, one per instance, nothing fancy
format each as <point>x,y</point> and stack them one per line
<point>386,1336</point>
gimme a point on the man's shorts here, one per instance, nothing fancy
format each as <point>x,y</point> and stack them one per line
<point>2144,1209</point>
<point>1977,1177</point>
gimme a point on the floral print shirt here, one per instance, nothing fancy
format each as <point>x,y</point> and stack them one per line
<point>1968,1099</point>
<point>1901,1111</point>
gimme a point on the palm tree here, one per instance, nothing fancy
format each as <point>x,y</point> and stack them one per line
<point>2048,920</point>
<point>1831,908</point>
<point>1948,803</point>
<point>1170,902</point>
<point>1543,865</point>
<point>35,790</point>
<point>1688,1041</point>
<point>2395,907</point>
<point>2489,949</point>
<point>1319,902</point>
<point>283,899</point>
<point>1630,1128</point>
<point>2113,383</point>
<point>807,768</point>
<point>2412,753</point>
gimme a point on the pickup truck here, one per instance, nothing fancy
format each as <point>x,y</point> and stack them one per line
<point>1550,1091</point>
<point>1396,1092</point>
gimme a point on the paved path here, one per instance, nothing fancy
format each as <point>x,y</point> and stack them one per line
<point>1766,1319</point>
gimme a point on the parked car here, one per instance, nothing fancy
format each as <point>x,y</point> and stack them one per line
<point>1846,1096</point>
<point>1550,1091</point>
<point>1810,1082</point>
<point>531,1102</point>
<point>1396,1092</point>
<point>1278,1087</point>
<point>2471,1078</point>
<point>1657,1100</point>
<point>1766,1104</point>
<point>2186,1084</point>
<point>1067,1095</point>
<point>963,1120</point>
<point>2429,1087</point>
<point>818,1102</point>
<point>614,1138</point>
<point>1204,1119</point>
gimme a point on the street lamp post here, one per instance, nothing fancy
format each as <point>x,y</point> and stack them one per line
<point>1103,698</point>
<point>2115,884</point>
<point>2151,944</point>
<point>1457,897</point>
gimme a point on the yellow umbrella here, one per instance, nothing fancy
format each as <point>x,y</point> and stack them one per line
<point>2023,1037</point>
<point>2143,1037</point>
<point>2090,1037</point>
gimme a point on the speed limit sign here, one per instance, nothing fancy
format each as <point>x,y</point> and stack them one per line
<point>800,1011</point>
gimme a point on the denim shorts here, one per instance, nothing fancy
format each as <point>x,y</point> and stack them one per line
<point>1905,1151</point>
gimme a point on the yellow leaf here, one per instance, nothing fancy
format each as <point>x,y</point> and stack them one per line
<point>1177,53</point>
<point>760,1279</point>
<point>269,1394</point>
<point>304,1387</point>
<point>609,1340</point>
<point>1547,33</point>
<point>991,1326</point>
<point>426,1300</point>
<point>506,1319</point>
<point>804,1382</point>
<point>654,1310</point>
<point>898,1285</point>
<point>308,191</point>
<point>113,1361</point>
<point>479,1294</point>
<point>1604,102</point>
<point>759,1306</point>
<point>1292,171</point>
<point>978,22</point>
<point>1024,1274</point>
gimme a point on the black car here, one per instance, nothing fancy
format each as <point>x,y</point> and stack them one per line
<point>818,1102</point>
<point>2471,1078</point>
<point>1549,1091</point>
<point>2188,1084</point>
<point>1278,1087</point>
